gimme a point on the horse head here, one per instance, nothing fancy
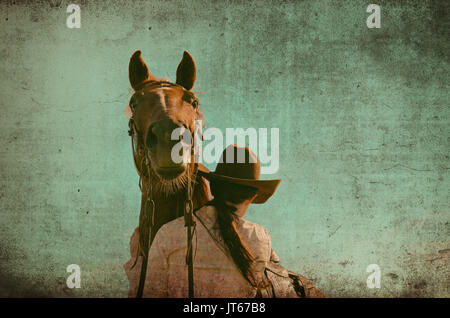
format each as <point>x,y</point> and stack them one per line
<point>158,108</point>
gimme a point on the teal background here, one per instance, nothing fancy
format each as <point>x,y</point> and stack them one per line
<point>364,135</point>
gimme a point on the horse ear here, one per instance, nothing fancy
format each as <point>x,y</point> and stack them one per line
<point>138,71</point>
<point>186,71</point>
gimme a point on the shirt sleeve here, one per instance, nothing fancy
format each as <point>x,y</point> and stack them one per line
<point>269,244</point>
<point>273,256</point>
<point>156,282</point>
<point>133,266</point>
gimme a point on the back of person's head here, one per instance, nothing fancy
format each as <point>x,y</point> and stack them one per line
<point>224,192</point>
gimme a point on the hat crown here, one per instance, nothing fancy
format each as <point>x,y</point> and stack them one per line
<point>239,162</point>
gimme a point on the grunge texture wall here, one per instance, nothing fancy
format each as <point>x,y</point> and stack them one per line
<point>364,135</point>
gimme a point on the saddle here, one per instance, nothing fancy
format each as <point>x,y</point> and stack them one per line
<point>283,283</point>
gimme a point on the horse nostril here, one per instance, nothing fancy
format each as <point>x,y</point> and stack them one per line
<point>161,132</point>
<point>151,140</point>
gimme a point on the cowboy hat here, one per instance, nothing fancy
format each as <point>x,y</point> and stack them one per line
<point>244,171</point>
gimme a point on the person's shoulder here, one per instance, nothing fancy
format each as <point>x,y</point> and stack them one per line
<point>173,225</point>
<point>170,235</point>
<point>134,241</point>
<point>259,232</point>
<point>207,213</point>
<point>176,227</point>
<point>254,225</point>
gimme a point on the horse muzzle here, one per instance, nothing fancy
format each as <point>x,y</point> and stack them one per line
<point>160,144</point>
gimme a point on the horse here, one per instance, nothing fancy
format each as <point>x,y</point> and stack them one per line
<point>158,107</point>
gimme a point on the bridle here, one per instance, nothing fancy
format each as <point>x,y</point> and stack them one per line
<point>148,216</point>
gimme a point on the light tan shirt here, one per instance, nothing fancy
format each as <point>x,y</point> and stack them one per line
<point>215,274</point>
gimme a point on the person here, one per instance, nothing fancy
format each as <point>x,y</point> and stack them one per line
<point>233,257</point>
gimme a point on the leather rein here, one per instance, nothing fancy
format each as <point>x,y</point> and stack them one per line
<point>148,215</point>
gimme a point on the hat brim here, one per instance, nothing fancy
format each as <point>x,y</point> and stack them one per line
<point>266,188</point>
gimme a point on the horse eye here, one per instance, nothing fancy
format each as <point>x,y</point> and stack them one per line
<point>132,104</point>
<point>194,103</point>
